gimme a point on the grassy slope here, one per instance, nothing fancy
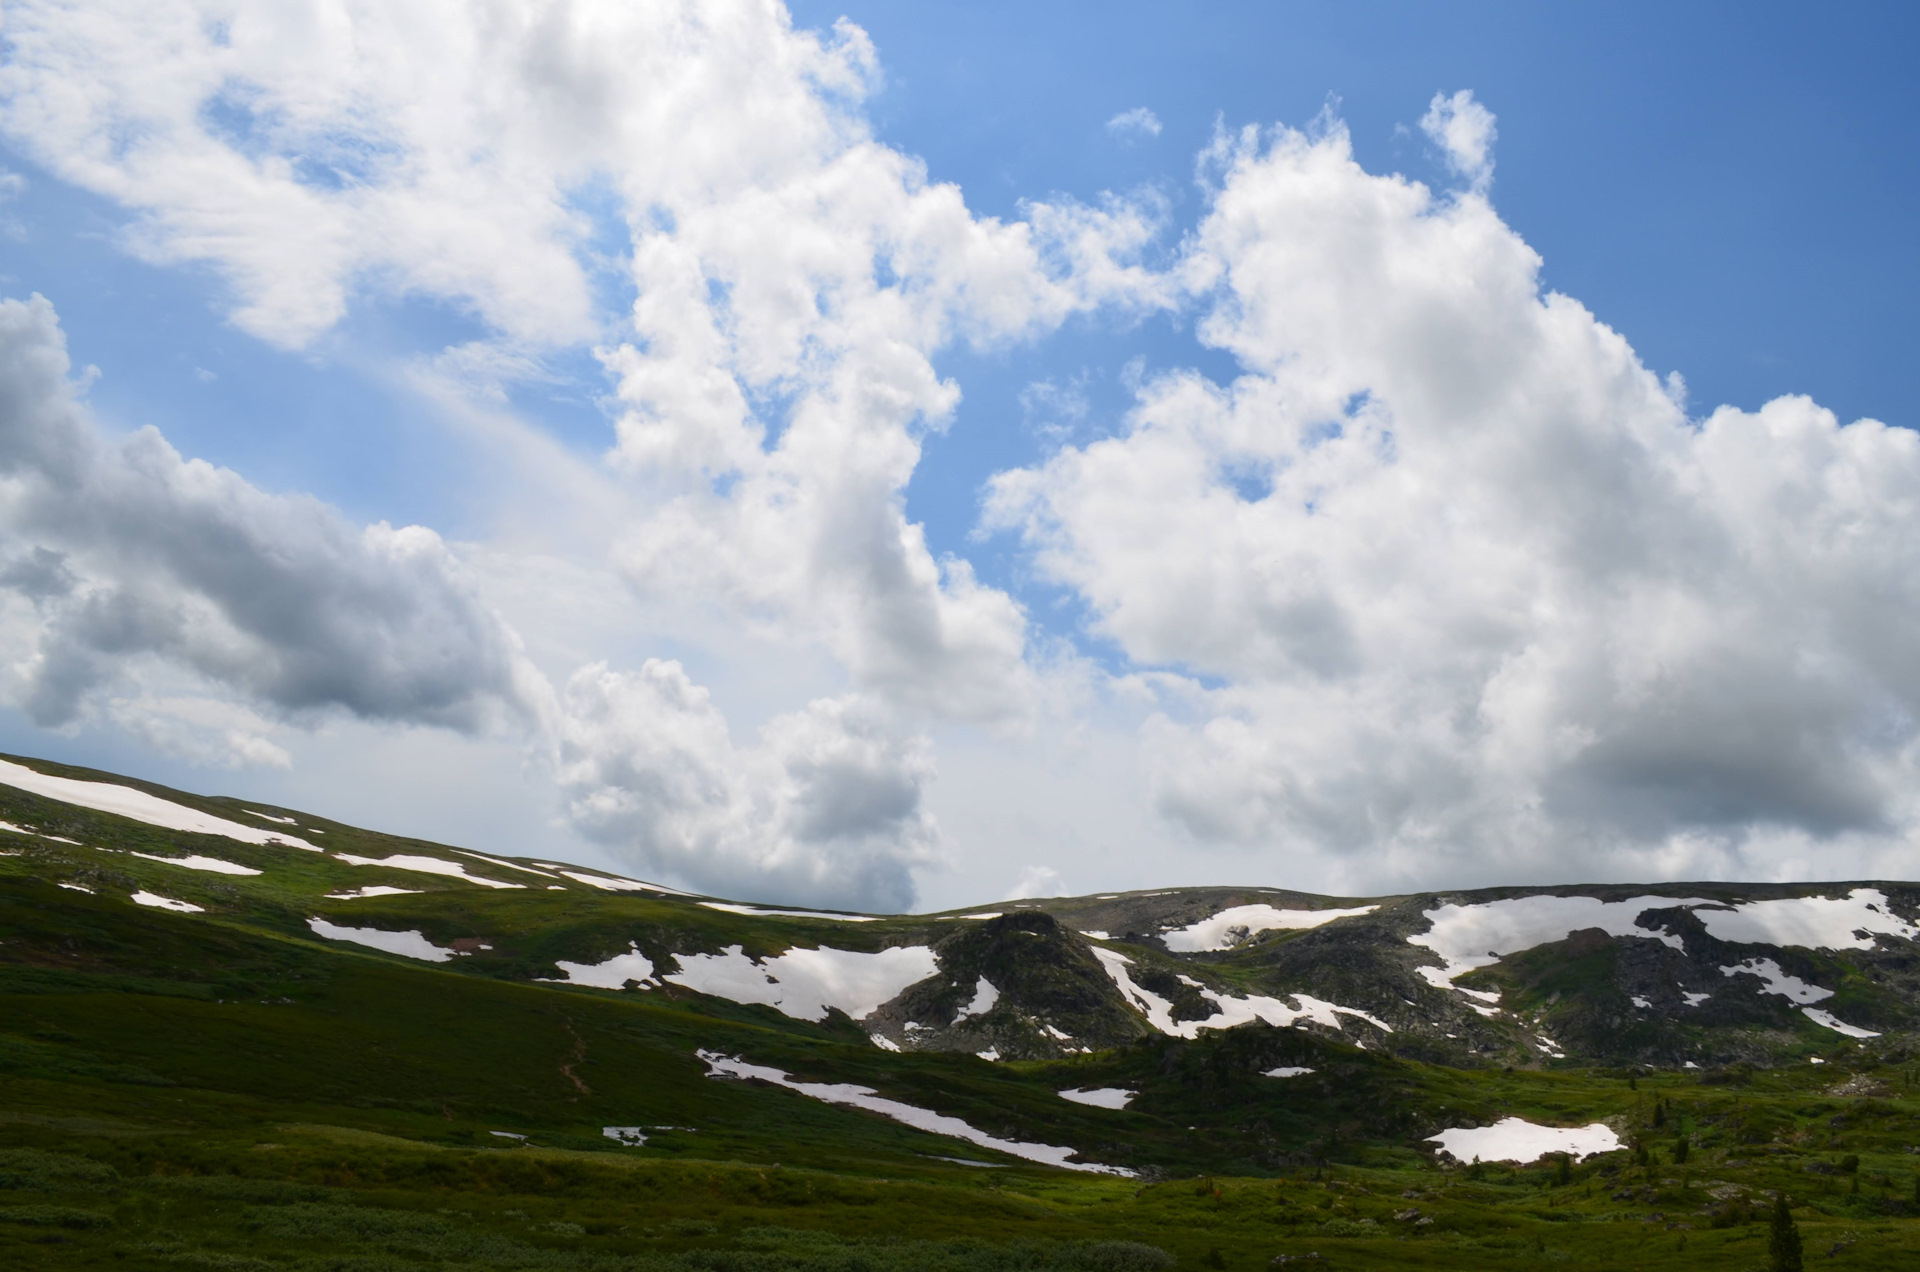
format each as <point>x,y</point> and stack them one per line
<point>220,1090</point>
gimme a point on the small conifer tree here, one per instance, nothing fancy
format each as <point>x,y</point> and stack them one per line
<point>1680,1147</point>
<point>1783,1241</point>
<point>1659,1112</point>
<point>1563,1173</point>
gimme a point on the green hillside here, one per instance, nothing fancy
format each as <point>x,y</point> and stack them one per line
<point>224,1087</point>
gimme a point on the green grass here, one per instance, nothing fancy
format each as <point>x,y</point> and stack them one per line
<point>222,1090</point>
<point>177,1092</point>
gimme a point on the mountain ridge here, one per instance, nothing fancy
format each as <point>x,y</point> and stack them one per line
<point>1651,974</point>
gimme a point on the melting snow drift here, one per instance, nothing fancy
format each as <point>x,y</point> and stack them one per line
<point>425,865</point>
<point>1101,1097</point>
<point>1229,927</point>
<point>211,864</point>
<point>1826,1018</point>
<point>614,883</point>
<point>1513,1139</point>
<point>159,902</point>
<point>731,908</point>
<point>409,944</point>
<point>125,801</point>
<point>984,997</point>
<point>1777,981</point>
<point>612,974</point>
<point>859,1097</point>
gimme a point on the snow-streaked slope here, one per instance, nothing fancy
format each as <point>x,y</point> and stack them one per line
<point>1471,936</point>
<point>859,1097</point>
<point>410,944</point>
<point>1513,1139</point>
<point>125,801</point>
<point>1229,927</point>
<point>1230,1011</point>
<point>804,983</point>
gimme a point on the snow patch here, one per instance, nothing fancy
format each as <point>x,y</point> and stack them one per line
<point>1096,934</point>
<point>506,865</point>
<point>1232,926</point>
<point>1694,1000</point>
<point>377,890</point>
<point>284,821</point>
<point>74,887</point>
<point>159,902</point>
<point>631,1136</point>
<point>730,908</point>
<point>1819,1017</point>
<point>1287,1071</point>
<point>408,944</point>
<point>1641,1002</point>
<point>1777,981</point>
<point>212,865</point>
<point>883,1042</point>
<point>1513,1139</point>
<point>614,883</point>
<point>425,865</point>
<point>1230,1011</point>
<point>859,1097</point>
<point>1101,1097</point>
<point>612,974</point>
<point>991,1053</point>
<point>984,997</point>
<point>136,805</point>
<point>804,983</point>
<point>1820,923</point>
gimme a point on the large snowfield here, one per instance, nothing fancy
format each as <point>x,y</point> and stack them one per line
<point>125,801</point>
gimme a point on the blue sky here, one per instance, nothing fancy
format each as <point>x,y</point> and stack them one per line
<point>1729,187</point>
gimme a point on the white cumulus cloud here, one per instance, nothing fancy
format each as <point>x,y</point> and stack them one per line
<point>1465,132</point>
<point>126,566</point>
<point>823,809</point>
<point>1465,584</point>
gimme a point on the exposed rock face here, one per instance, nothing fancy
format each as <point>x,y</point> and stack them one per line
<point>1657,987</point>
<point>1021,986</point>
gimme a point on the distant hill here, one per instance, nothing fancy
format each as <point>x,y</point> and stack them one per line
<point>1673,975</point>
